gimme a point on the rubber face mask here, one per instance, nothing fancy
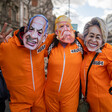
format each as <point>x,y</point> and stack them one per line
<point>93,40</point>
<point>65,32</point>
<point>33,38</point>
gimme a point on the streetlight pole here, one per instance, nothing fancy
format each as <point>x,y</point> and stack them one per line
<point>69,7</point>
<point>21,13</point>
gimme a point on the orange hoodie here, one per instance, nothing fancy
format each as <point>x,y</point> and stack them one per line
<point>63,74</point>
<point>99,79</point>
<point>23,70</point>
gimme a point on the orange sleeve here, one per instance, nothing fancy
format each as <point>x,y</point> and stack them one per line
<point>48,41</point>
<point>1,53</point>
<point>109,69</point>
<point>81,41</point>
<point>108,53</point>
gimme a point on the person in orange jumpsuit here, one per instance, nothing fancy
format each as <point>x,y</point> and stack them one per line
<point>62,85</point>
<point>99,91</point>
<point>22,65</point>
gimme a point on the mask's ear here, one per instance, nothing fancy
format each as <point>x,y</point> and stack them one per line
<point>44,38</point>
<point>25,29</point>
<point>56,32</point>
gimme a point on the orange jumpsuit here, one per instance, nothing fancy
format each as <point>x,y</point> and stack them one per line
<point>99,79</point>
<point>24,74</point>
<point>62,86</point>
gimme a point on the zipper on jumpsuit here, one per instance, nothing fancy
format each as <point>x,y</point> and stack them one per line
<point>62,73</point>
<point>32,70</point>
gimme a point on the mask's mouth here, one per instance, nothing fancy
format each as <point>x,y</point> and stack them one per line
<point>67,34</point>
<point>31,41</point>
<point>93,45</point>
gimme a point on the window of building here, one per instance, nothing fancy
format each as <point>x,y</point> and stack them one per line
<point>13,18</point>
<point>25,12</point>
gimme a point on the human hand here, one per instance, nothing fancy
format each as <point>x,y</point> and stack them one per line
<point>4,36</point>
<point>80,36</point>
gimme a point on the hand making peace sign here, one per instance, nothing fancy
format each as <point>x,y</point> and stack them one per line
<point>4,36</point>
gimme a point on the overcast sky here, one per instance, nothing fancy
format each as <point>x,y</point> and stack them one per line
<point>81,11</point>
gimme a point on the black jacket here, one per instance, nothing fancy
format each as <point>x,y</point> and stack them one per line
<point>4,93</point>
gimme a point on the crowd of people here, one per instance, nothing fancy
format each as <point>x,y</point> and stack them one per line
<point>69,56</point>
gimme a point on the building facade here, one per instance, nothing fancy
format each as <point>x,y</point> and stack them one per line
<point>17,12</point>
<point>9,13</point>
<point>109,24</point>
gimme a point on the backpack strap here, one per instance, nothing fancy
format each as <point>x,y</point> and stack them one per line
<point>88,73</point>
<point>89,70</point>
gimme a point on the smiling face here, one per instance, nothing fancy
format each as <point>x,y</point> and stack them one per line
<point>94,40</point>
<point>33,38</point>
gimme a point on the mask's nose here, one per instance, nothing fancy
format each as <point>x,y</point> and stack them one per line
<point>34,34</point>
<point>93,39</point>
<point>65,27</point>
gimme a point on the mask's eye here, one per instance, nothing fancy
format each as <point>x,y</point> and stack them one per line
<point>39,32</point>
<point>91,36</point>
<point>67,25</point>
<point>98,37</point>
<point>31,28</point>
<point>61,26</point>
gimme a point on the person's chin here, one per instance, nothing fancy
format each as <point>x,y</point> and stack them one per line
<point>30,47</point>
<point>67,40</point>
<point>92,49</point>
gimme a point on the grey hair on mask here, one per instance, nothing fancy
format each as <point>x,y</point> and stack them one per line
<point>100,23</point>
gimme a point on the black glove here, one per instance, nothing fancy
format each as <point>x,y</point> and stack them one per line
<point>110,90</point>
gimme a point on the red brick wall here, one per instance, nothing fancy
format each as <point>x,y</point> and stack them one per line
<point>34,3</point>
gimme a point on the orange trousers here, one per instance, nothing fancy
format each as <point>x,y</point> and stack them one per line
<point>58,103</point>
<point>37,106</point>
